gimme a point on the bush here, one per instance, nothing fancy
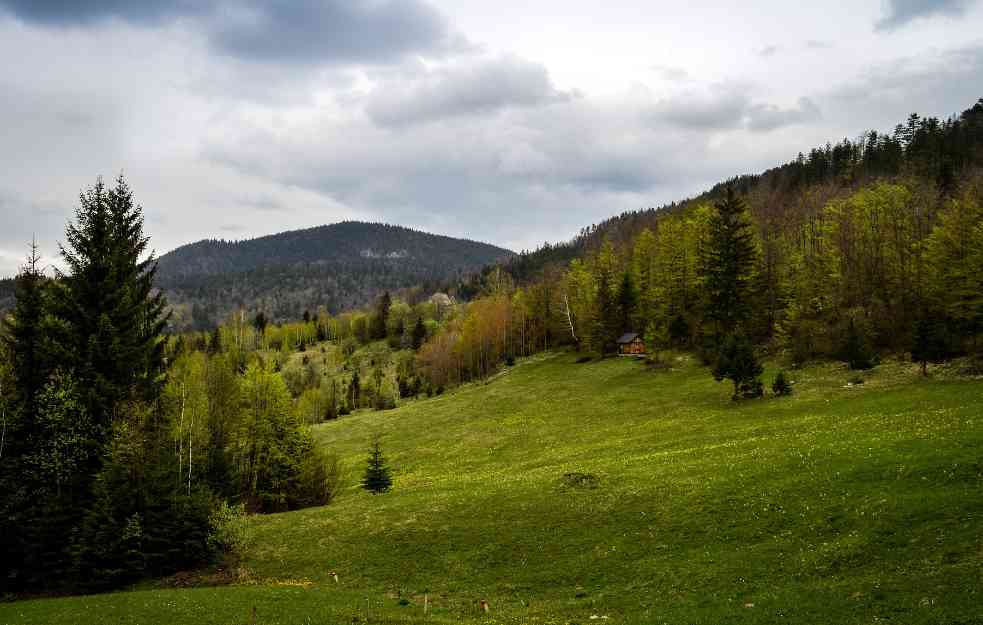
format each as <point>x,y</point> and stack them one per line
<point>319,479</point>
<point>510,360</point>
<point>781,386</point>
<point>228,529</point>
<point>584,359</point>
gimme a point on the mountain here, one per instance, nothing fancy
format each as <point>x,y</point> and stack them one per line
<point>336,266</point>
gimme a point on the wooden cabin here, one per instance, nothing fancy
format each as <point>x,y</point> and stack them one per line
<point>631,344</point>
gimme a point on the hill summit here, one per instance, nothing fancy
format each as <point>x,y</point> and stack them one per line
<point>334,266</point>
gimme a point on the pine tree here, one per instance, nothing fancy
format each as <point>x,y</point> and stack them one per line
<point>378,477</point>
<point>380,321</point>
<point>930,342</point>
<point>260,322</point>
<point>25,337</point>
<point>781,386</point>
<point>607,320</point>
<point>627,303</point>
<point>737,362</point>
<point>728,258</point>
<point>854,350</point>
<point>113,316</point>
<point>215,341</point>
<point>419,333</point>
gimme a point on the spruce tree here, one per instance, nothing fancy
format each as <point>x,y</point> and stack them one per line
<point>607,320</point>
<point>26,339</point>
<point>378,477</point>
<point>737,363</point>
<point>781,386</point>
<point>930,342</point>
<point>627,303</point>
<point>380,321</point>
<point>419,333</point>
<point>113,316</point>
<point>728,258</point>
<point>855,351</point>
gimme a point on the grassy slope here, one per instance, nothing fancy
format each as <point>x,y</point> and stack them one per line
<point>837,505</point>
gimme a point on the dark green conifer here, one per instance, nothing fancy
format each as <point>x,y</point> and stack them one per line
<point>728,259</point>
<point>737,363</point>
<point>378,477</point>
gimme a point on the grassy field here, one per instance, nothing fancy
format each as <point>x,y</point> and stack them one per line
<point>840,504</point>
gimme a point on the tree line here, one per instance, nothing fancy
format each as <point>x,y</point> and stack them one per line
<point>116,454</point>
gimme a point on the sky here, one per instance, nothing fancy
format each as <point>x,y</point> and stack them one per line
<point>514,122</point>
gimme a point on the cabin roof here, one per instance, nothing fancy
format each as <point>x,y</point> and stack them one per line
<point>628,337</point>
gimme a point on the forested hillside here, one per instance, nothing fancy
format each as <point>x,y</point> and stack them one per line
<point>931,152</point>
<point>855,250</point>
<point>336,267</point>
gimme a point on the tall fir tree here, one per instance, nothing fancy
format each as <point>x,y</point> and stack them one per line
<point>380,321</point>
<point>607,317</point>
<point>114,317</point>
<point>627,303</point>
<point>26,338</point>
<point>728,259</point>
<point>419,333</point>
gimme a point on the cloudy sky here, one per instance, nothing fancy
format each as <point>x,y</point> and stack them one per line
<point>513,121</point>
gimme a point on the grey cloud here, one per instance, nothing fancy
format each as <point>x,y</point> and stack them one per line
<point>69,13</point>
<point>730,108</point>
<point>815,44</point>
<point>722,109</point>
<point>335,30</point>
<point>669,72</point>
<point>485,87</point>
<point>302,31</point>
<point>916,84</point>
<point>767,51</point>
<point>902,12</point>
<point>763,117</point>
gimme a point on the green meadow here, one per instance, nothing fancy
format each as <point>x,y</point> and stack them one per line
<point>607,492</point>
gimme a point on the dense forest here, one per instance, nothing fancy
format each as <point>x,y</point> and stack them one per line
<point>128,452</point>
<point>337,267</point>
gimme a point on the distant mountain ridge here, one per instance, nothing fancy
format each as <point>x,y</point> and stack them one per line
<point>336,266</point>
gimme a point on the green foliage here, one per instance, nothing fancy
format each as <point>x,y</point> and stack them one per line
<point>229,530</point>
<point>736,362</point>
<point>781,387</point>
<point>378,476</point>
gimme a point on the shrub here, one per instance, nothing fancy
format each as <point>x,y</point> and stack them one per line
<point>228,529</point>
<point>510,360</point>
<point>781,386</point>
<point>584,359</point>
<point>319,479</point>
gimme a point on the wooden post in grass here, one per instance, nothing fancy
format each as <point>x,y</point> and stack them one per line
<point>484,606</point>
<point>252,619</point>
<point>426,604</point>
<point>334,576</point>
